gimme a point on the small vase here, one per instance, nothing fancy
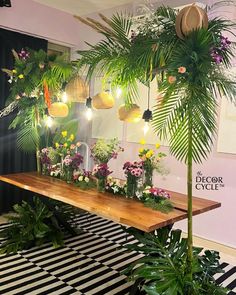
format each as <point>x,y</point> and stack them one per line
<point>68,175</point>
<point>132,186</point>
<point>148,175</point>
<point>45,169</point>
<point>101,184</point>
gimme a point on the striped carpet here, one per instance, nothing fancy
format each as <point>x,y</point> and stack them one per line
<point>90,263</point>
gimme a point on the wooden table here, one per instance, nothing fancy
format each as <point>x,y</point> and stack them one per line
<point>119,209</point>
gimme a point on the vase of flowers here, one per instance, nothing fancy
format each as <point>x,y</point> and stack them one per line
<point>157,199</point>
<point>71,163</point>
<point>102,151</point>
<point>151,162</point>
<point>133,172</point>
<point>101,171</point>
<point>45,161</point>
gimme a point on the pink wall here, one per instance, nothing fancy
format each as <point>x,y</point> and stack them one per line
<point>33,18</point>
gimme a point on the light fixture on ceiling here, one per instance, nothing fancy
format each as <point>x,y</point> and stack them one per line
<point>6,3</point>
<point>147,115</point>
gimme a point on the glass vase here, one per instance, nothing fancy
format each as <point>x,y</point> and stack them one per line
<point>101,184</point>
<point>45,169</point>
<point>68,175</point>
<point>132,186</point>
<point>147,177</point>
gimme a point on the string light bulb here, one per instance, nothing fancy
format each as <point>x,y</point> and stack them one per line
<point>64,97</point>
<point>49,121</point>
<point>89,112</point>
<point>118,92</point>
<point>147,115</point>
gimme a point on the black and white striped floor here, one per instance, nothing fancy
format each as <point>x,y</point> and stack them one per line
<point>90,263</point>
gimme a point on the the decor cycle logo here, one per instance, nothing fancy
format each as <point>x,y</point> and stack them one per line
<point>209,183</point>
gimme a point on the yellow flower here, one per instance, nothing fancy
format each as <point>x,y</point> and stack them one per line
<point>151,152</point>
<point>148,155</point>
<point>141,150</point>
<point>158,146</point>
<point>21,76</point>
<point>64,133</point>
<point>65,144</point>
<point>142,141</point>
<point>56,144</point>
<point>72,137</point>
<point>14,71</point>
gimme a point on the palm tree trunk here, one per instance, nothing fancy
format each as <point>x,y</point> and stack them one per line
<point>190,199</point>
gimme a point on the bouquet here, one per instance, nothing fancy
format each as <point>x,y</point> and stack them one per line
<point>101,171</point>
<point>45,161</point>
<point>157,199</point>
<point>133,172</point>
<point>104,150</point>
<point>83,179</point>
<point>67,144</point>
<point>70,164</point>
<point>151,162</point>
<point>115,186</point>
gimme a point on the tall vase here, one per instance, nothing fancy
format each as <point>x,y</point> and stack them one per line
<point>132,186</point>
<point>147,177</point>
<point>101,184</point>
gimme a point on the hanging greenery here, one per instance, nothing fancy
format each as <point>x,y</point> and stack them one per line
<point>189,60</point>
<point>36,81</point>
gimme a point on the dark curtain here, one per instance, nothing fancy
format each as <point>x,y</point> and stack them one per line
<point>11,159</point>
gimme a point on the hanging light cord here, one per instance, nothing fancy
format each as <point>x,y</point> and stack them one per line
<point>149,96</point>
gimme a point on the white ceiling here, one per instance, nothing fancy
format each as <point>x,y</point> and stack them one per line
<point>83,7</point>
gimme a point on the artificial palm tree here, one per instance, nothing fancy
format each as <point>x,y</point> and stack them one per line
<point>191,75</point>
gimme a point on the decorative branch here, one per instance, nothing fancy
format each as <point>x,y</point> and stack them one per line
<point>9,109</point>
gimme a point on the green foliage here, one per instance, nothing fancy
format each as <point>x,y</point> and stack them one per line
<point>30,226</point>
<point>28,79</point>
<point>163,269</point>
<point>163,205</point>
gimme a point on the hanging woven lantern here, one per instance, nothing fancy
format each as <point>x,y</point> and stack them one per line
<point>58,110</point>
<point>103,100</point>
<point>77,90</point>
<point>130,114</point>
<point>190,18</point>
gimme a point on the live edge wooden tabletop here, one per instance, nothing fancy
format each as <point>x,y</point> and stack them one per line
<point>119,209</point>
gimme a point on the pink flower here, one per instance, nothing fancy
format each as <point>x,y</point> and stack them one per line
<point>171,79</point>
<point>181,70</point>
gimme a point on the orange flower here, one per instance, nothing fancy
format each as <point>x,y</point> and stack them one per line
<point>181,70</point>
<point>171,79</point>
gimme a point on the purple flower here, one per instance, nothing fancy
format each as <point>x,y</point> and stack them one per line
<point>23,54</point>
<point>76,161</point>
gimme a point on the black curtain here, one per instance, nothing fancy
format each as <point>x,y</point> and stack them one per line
<point>11,159</point>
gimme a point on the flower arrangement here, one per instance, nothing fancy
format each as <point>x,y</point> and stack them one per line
<point>101,171</point>
<point>67,144</point>
<point>103,150</point>
<point>133,172</point>
<point>115,186</point>
<point>157,199</point>
<point>70,164</point>
<point>45,161</point>
<point>83,179</point>
<point>35,79</point>
<point>151,162</point>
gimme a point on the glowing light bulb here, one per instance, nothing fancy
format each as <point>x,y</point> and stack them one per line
<point>89,114</point>
<point>49,122</point>
<point>118,92</point>
<point>146,128</point>
<point>64,97</point>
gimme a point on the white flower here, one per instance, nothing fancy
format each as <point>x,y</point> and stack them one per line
<point>81,178</point>
<point>86,179</point>
<point>51,173</point>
